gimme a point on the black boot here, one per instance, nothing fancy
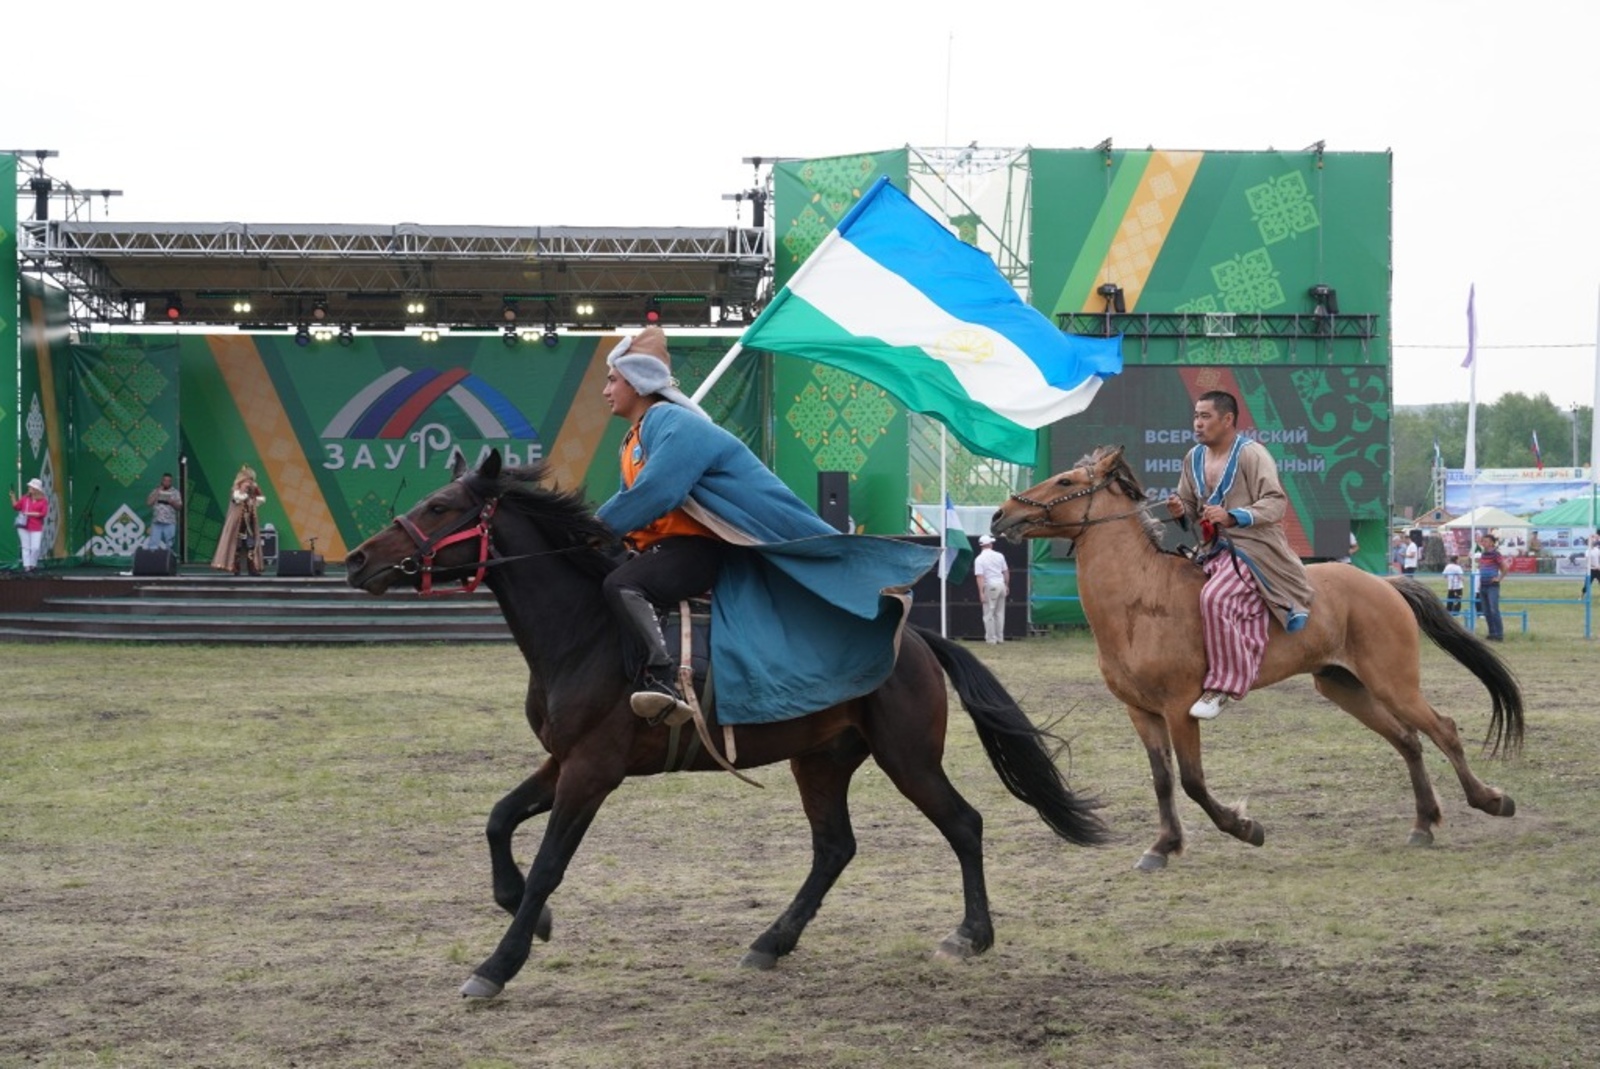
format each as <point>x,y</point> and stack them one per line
<point>658,697</point>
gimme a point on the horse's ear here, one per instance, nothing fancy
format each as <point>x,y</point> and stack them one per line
<point>1109,456</point>
<point>490,468</point>
<point>458,463</point>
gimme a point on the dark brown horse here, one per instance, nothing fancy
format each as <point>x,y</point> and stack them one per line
<point>1360,646</point>
<point>548,586</point>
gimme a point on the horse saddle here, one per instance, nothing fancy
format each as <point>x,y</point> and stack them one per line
<point>699,633</point>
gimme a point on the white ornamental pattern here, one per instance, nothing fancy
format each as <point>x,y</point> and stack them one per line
<point>124,532</point>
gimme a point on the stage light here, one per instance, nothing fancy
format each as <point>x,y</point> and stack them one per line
<point>583,308</point>
<point>174,308</point>
<point>1115,301</point>
<point>302,336</point>
<point>430,334</point>
<point>241,307</point>
<point>415,308</point>
<point>508,311</point>
<point>347,335</point>
<point>319,310</point>
<point>652,311</point>
<point>509,338</point>
<point>551,339</point>
<point>322,333</point>
<point>1327,299</point>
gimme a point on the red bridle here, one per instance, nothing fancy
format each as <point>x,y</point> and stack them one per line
<point>428,547</point>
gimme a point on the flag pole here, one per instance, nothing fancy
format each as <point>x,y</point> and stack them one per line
<point>1471,364</point>
<point>944,537</point>
<point>1594,464</point>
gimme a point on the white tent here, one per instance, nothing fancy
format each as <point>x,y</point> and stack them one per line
<point>1487,518</point>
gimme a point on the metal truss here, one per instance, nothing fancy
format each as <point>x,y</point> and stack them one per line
<point>366,275</point>
<point>939,176</point>
<point>1191,326</point>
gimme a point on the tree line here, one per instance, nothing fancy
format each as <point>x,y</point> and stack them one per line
<point>1505,440</point>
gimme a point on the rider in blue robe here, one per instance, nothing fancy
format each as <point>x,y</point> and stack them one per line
<point>802,617</point>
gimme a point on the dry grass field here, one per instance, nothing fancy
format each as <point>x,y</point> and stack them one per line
<point>263,858</point>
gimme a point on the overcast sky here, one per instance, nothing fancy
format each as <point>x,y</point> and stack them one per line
<point>544,113</point>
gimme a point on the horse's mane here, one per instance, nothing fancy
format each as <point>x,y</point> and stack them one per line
<point>563,517</point>
<point>1126,482</point>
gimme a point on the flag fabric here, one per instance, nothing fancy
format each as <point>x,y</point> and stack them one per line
<point>1471,463</point>
<point>892,296</point>
<point>955,563</point>
<point>1538,457</point>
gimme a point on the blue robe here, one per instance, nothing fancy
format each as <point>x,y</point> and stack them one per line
<point>802,617</point>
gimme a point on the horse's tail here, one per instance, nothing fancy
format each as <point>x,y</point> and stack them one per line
<point>1505,723</point>
<point>1016,746</point>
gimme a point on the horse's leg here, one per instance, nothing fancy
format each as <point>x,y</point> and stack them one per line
<point>531,797</point>
<point>824,782</point>
<point>580,790</point>
<point>1348,693</point>
<point>1184,731</point>
<point>1412,709</point>
<point>1152,731</point>
<point>910,750</point>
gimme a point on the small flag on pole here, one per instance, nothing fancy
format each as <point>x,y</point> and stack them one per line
<point>1538,457</point>
<point>1438,457</point>
<point>892,296</point>
<point>955,563</point>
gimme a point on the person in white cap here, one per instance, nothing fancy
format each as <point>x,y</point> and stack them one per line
<point>701,512</point>
<point>31,508</point>
<point>994,581</point>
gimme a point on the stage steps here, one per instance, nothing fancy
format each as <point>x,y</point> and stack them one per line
<point>212,608</point>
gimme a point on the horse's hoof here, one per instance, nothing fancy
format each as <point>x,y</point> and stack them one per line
<point>1258,834</point>
<point>1420,837</point>
<point>541,927</point>
<point>478,987</point>
<point>1151,862</point>
<point>956,947</point>
<point>758,959</point>
<point>1508,808</point>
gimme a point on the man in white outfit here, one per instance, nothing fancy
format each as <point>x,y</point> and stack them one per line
<point>994,580</point>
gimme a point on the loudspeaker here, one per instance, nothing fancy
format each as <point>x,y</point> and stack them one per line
<point>154,562</point>
<point>833,499</point>
<point>300,563</point>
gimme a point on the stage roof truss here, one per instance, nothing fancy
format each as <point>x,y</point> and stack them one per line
<point>367,275</point>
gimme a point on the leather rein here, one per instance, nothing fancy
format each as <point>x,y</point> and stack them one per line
<point>1045,508</point>
<point>471,526</point>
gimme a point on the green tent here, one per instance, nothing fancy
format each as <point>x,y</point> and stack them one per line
<point>1573,513</point>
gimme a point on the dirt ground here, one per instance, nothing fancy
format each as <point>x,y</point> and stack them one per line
<point>249,906</point>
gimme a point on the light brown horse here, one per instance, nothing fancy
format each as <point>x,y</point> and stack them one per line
<point>1360,646</point>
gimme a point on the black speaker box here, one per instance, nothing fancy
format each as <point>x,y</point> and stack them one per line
<point>299,563</point>
<point>833,499</point>
<point>154,562</point>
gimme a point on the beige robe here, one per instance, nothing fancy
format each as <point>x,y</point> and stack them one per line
<point>242,517</point>
<point>1249,489</point>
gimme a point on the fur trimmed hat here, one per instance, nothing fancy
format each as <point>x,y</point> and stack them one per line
<point>643,361</point>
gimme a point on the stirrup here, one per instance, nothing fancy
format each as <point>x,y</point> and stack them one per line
<point>659,702</point>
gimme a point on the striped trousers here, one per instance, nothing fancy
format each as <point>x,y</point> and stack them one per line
<point>1234,619</point>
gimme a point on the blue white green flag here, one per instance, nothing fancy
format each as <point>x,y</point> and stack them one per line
<point>955,562</point>
<point>893,296</point>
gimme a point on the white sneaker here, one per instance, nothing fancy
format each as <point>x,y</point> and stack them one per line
<point>1209,705</point>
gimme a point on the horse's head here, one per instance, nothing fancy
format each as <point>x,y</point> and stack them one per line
<point>1063,505</point>
<point>444,536</point>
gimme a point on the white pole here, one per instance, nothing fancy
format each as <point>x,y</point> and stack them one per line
<point>716,372</point>
<point>944,537</point>
<point>1594,430</point>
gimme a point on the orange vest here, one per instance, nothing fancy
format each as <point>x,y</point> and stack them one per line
<point>674,524</point>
